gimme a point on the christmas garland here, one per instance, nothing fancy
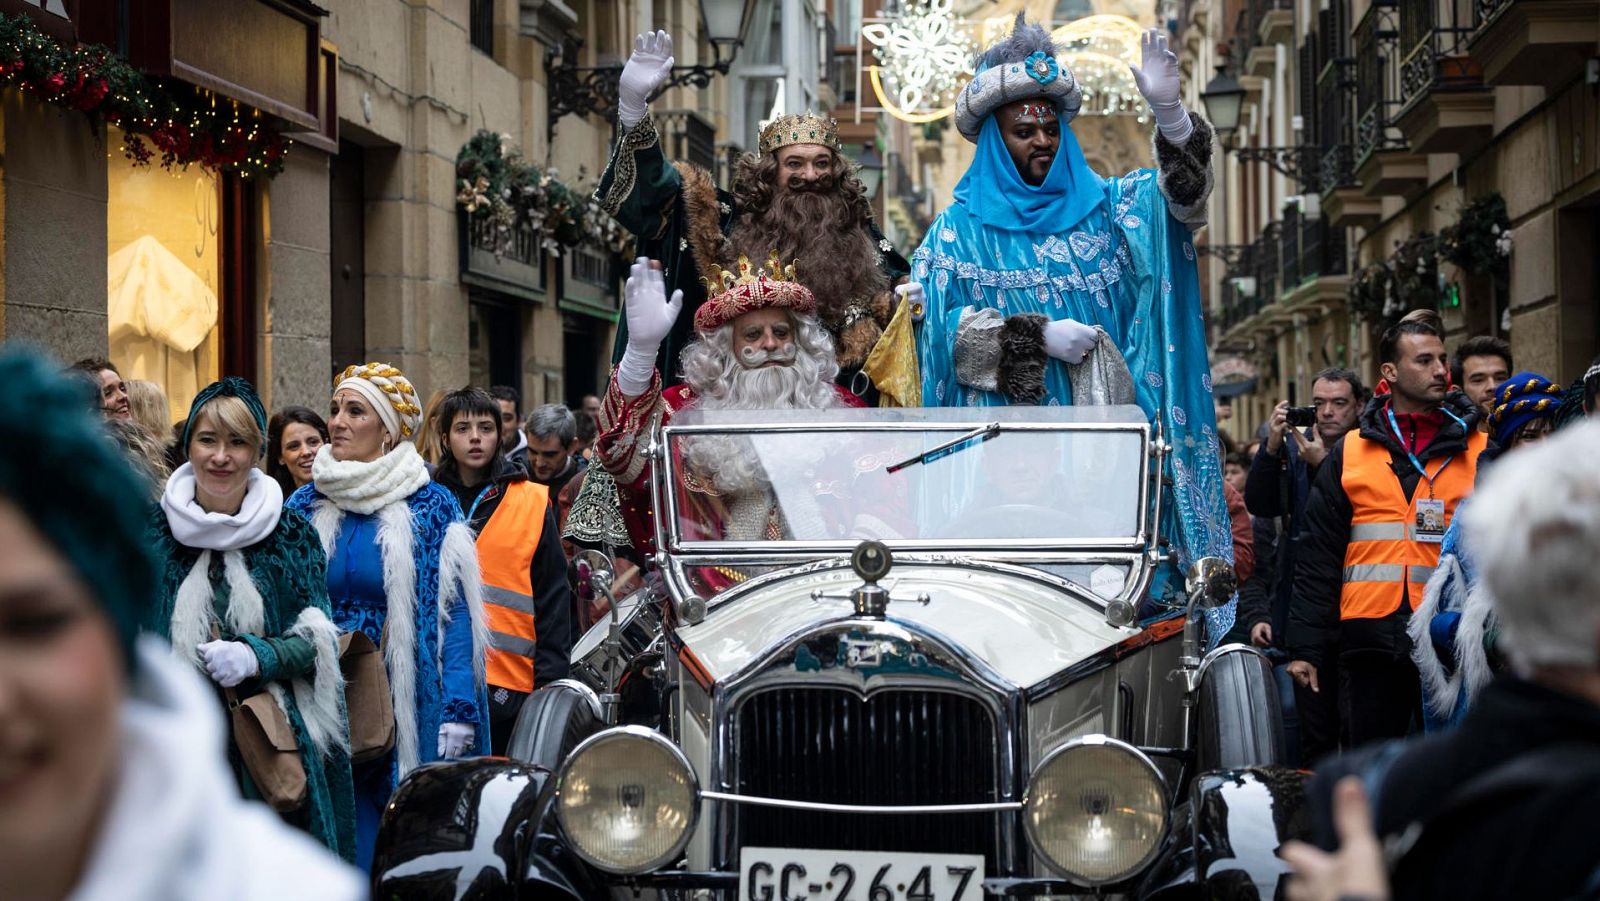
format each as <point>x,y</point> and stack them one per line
<point>1409,279</point>
<point>1480,240</point>
<point>515,195</point>
<point>184,124</point>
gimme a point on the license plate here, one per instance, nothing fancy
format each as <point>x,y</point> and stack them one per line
<point>790,874</point>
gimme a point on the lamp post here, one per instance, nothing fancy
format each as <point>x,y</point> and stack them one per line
<point>1224,97</point>
<point>593,89</point>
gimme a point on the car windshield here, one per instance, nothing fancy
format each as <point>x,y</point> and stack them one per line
<point>1036,478</point>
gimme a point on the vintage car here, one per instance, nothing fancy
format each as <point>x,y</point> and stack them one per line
<point>890,655</point>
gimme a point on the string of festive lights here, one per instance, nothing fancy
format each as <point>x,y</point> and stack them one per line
<point>185,124</point>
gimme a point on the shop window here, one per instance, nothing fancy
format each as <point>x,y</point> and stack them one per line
<point>164,238</point>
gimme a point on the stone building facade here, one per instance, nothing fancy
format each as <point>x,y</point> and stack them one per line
<point>358,249</point>
<point>1368,128</point>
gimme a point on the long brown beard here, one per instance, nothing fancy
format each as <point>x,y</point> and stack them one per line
<point>820,230</point>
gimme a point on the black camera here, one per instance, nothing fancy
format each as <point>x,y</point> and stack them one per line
<point>1301,417</point>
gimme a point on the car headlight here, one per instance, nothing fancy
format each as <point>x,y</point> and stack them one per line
<point>627,799</point>
<point>1096,810</point>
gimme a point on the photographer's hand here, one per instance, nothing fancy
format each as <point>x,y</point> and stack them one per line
<point>1312,450</point>
<point>1278,427</point>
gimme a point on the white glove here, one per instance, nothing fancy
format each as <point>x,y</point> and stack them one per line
<point>913,293</point>
<point>648,66</point>
<point>1069,340</point>
<point>650,318</point>
<point>229,662</point>
<point>455,739</point>
<point>1160,82</point>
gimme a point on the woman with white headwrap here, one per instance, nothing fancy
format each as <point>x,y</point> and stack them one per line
<point>402,569</point>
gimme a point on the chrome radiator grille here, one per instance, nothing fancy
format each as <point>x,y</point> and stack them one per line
<point>895,748</point>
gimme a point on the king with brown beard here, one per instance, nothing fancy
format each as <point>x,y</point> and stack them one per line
<point>797,197</point>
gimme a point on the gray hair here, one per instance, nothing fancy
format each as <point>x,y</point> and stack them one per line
<point>552,419</point>
<point>1532,529</point>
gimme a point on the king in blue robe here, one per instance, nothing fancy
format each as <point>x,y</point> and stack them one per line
<point>1041,261</point>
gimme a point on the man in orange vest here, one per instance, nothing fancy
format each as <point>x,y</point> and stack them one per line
<point>1377,512</point>
<point>525,590</point>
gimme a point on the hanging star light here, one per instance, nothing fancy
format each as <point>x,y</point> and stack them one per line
<point>1098,50</point>
<point>924,57</point>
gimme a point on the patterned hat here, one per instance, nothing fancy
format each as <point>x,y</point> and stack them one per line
<point>807,128</point>
<point>389,392</point>
<point>732,296</point>
<point>1021,66</point>
<point>1520,400</point>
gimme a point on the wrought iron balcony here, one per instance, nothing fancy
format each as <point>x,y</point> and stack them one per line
<point>1533,42</point>
<point>1434,42</point>
<point>1377,53</point>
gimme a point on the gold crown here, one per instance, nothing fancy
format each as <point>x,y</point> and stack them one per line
<point>805,128</point>
<point>724,280</point>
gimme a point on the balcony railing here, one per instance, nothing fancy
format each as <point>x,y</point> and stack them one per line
<point>1285,256</point>
<point>1260,8</point>
<point>686,135</point>
<point>843,75</point>
<point>1434,41</point>
<point>1334,118</point>
<point>1377,53</point>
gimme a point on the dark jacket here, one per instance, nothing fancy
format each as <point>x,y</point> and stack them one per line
<point>553,601</point>
<point>1319,556</point>
<point>1276,487</point>
<point>1534,842</point>
<point>1256,594</point>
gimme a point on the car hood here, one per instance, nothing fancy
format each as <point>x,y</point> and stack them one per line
<point>1024,629</point>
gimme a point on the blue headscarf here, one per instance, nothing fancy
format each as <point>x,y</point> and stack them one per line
<point>232,386</point>
<point>994,191</point>
<point>1520,400</point>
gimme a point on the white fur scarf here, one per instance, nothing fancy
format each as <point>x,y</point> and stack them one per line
<point>317,696</point>
<point>459,577</point>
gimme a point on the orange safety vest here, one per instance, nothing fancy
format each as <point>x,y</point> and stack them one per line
<point>505,555</point>
<point>1384,553</point>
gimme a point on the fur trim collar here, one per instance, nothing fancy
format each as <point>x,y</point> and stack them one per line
<point>703,218</point>
<point>459,579</point>
<point>360,487</point>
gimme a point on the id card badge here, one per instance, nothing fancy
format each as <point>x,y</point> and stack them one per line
<point>1430,520</point>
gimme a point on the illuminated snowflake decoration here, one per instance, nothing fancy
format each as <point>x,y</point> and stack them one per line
<point>925,54</point>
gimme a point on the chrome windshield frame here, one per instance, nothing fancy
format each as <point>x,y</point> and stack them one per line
<point>665,507</point>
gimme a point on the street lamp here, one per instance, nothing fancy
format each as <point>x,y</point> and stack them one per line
<point>871,168</point>
<point>1223,97</point>
<point>593,89</point>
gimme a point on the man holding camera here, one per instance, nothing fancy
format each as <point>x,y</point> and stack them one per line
<point>1276,489</point>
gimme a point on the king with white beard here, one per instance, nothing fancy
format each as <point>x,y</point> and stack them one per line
<point>758,346</point>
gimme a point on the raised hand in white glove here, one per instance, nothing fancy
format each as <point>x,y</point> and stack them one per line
<point>650,318</point>
<point>455,739</point>
<point>229,662</point>
<point>1160,82</point>
<point>915,296</point>
<point>648,66</point>
<point>1069,340</point>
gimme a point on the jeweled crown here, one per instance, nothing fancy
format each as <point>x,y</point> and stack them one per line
<point>802,128</point>
<point>724,280</point>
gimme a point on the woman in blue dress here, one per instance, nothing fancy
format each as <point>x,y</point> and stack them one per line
<point>402,569</point>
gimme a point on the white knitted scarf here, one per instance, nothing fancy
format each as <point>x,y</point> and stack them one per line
<point>194,527</point>
<point>365,488</point>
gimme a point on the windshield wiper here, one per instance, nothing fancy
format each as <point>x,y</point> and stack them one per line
<point>981,434</point>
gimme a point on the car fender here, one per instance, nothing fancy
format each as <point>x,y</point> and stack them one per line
<point>1239,820</point>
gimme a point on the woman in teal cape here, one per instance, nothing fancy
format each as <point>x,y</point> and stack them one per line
<point>243,597</point>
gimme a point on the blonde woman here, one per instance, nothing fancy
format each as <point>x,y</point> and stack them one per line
<point>147,405</point>
<point>243,597</point>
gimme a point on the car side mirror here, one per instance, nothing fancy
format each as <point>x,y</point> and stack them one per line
<point>1211,582</point>
<point>593,572</point>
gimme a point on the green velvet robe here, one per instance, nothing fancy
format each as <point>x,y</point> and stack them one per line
<point>289,570</point>
<point>677,213</point>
